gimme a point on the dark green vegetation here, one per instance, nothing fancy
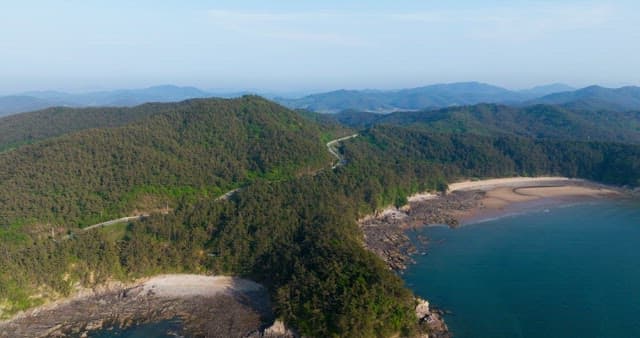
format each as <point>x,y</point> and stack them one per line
<point>27,128</point>
<point>198,147</point>
<point>414,154</point>
<point>292,227</point>
<point>538,122</point>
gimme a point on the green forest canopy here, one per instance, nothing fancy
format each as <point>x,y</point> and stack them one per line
<point>291,228</point>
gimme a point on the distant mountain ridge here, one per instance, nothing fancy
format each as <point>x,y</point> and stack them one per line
<point>596,98</point>
<point>432,96</point>
<point>593,98</point>
<point>545,90</point>
<point>21,103</point>
<point>31,101</point>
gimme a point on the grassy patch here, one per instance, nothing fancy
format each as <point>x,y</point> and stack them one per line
<point>115,232</point>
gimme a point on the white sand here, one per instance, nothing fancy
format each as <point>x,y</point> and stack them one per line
<point>502,192</point>
<point>196,285</point>
<point>422,197</point>
<point>507,182</point>
<point>486,185</point>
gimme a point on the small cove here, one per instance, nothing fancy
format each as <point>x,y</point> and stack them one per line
<point>559,271</point>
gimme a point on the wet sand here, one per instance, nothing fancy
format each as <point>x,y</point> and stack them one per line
<point>504,196</point>
<point>471,202</point>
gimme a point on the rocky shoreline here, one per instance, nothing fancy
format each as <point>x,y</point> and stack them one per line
<point>385,233</point>
<point>207,306</point>
<point>231,313</point>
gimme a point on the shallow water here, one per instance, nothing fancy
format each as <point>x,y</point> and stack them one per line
<point>571,271</point>
<point>164,329</point>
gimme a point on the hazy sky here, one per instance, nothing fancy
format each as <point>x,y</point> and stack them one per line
<point>315,45</point>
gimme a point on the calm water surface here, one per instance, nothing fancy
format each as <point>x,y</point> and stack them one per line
<point>164,329</point>
<point>571,271</point>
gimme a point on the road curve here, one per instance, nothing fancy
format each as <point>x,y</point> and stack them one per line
<point>331,146</point>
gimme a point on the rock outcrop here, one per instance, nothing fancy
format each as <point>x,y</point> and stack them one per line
<point>385,232</point>
<point>225,314</point>
<point>385,235</point>
<point>432,319</point>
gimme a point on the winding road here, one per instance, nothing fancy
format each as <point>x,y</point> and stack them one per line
<point>331,147</point>
<point>115,221</point>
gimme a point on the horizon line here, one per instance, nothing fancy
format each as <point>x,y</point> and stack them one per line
<point>248,90</point>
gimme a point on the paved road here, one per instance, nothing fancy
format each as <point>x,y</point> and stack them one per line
<point>331,146</point>
<point>116,221</point>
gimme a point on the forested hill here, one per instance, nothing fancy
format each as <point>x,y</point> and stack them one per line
<point>405,151</point>
<point>538,121</point>
<point>19,129</point>
<point>197,147</point>
<point>293,226</point>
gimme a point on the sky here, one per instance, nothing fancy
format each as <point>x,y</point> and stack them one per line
<point>301,45</point>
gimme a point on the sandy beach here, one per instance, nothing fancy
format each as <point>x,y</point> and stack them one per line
<point>468,202</point>
<point>177,286</point>
<point>386,231</point>
<point>493,183</point>
<point>495,195</point>
<point>506,194</point>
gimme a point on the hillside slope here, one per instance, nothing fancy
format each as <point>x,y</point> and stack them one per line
<point>538,121</point>
<point>194,147</point>
<point>25,128</point>
<point>294,233</point>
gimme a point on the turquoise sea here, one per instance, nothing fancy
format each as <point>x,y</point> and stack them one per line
<point>564,271</point>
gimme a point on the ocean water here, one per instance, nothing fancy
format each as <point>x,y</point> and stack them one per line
<point>163,329</point>
<point>566,271</point>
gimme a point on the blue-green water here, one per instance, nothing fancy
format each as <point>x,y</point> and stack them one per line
<point>569,271</point>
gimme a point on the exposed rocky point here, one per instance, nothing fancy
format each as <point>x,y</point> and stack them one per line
<point>226,314</point>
